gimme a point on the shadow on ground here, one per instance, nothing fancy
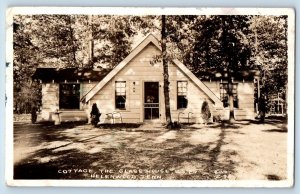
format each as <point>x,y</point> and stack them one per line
<point>273,177</point>
<point>73,151</point>
<point>281,130</point>
<point>61,155</point>
<point>120,126</point>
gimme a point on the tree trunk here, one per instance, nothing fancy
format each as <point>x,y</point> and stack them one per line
<point>91,42</point>
<point>166,72</point>
<point>73,57</point>
<point>231,107</point>
<point>231,112</point>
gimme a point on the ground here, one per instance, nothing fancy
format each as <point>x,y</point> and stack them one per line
<point>240,151</point>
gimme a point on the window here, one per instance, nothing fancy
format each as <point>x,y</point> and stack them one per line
<point>69,96</point>
<point>120,94</point>
<point>182,94</point>
<point>224,95</point>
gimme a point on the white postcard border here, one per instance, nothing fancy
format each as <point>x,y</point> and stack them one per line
<point>146,11</point>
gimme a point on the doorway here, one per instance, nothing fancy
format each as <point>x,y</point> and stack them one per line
<point>151,100</point>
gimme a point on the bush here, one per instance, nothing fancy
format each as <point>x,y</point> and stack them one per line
<point>205,112</point>
<point>217,118</point>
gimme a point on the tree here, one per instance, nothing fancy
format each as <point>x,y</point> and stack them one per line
<point>165,72</point>
<point>55,37</point>
<point>269,39</point>
<point>113,36</point>
<point>26,93</point>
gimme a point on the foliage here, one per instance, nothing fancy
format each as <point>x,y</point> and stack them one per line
<point>212,43</point>
<point>26,93</point>
<point>115,36</point>
<point>269,53</point>
<point>27,98</point>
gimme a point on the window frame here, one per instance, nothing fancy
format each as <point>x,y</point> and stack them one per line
<point>224,97</point>
<point>124,96</point>
<point>183,90</point>
<point>62,97</point>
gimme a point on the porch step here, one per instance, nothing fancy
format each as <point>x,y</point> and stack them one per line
<point>68,116</point>
<point>150,125</point>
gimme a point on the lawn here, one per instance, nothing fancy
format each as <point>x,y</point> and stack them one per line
<point>220,151</point>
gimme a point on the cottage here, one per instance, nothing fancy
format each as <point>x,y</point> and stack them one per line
<point>133,91</point>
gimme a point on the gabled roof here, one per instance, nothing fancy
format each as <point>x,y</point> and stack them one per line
<point>147,40</point>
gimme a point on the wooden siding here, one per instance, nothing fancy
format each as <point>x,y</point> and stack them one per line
<point>246,101</point>
<point>85,87</point>
<point>214,86</point>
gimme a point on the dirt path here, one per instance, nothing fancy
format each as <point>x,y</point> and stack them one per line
<point>262,152</point>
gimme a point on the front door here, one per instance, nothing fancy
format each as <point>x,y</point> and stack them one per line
<point>151,100</point>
